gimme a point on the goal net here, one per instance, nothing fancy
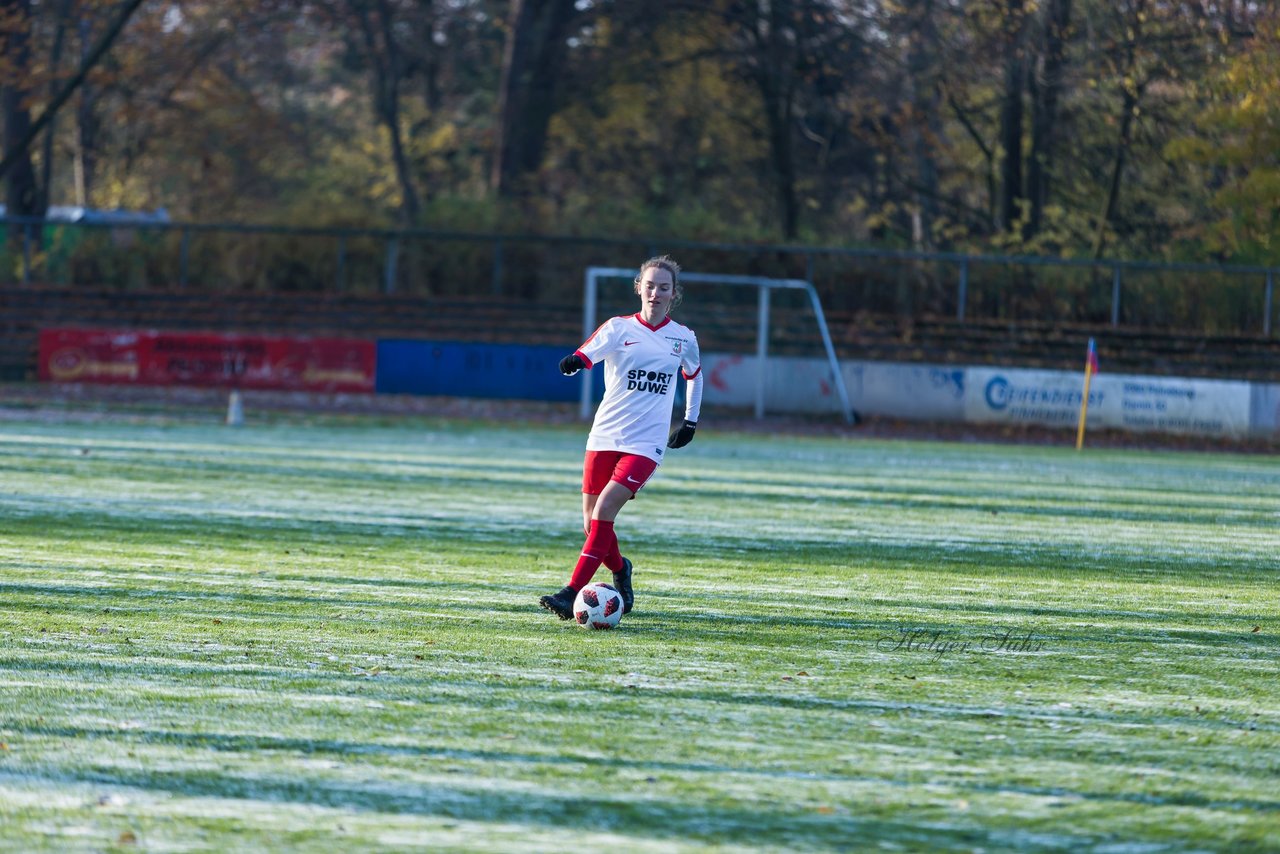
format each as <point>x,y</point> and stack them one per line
<point>759,325</point>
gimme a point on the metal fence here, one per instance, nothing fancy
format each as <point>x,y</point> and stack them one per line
<point>209,257</point>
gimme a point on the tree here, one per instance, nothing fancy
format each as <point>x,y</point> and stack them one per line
<point>377,26</point>
<point>22,196</point>
<point>1016,125</point>
<point>1046,81</point>
<point>1145,57</point>
<point>533,64</point>
<point>1234,148</point>
<point>797,54</point>
<point>1132,85</point>
<point>1014,28</point>
<point>61,23</point>
<point>924,132</point>
<point>655,133</point>
<point>20,130</point>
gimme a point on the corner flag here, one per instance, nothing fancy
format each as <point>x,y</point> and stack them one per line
<point>1090,368</point>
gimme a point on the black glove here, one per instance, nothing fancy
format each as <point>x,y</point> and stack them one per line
<point>682,435</point>
<point>571,364</point>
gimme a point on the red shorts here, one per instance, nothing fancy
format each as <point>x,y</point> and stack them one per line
<point>630,470</point>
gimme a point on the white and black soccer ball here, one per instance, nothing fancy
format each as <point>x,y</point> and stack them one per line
<point>597,606</point>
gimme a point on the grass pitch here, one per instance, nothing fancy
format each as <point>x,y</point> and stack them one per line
<point>323,634</point>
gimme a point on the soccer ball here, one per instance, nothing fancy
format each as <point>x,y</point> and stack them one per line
<point>597,606</point>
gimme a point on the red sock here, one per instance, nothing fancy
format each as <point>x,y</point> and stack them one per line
<point>613,560</point>
<point>597,547</point>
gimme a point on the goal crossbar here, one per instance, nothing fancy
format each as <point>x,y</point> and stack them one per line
<point>590,308</point>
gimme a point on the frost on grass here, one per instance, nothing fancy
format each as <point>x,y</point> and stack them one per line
<point>321,633</point>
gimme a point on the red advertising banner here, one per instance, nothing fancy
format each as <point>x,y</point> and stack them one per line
<point>207,359</point>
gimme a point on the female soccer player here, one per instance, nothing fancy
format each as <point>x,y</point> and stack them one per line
<point>642,354</point>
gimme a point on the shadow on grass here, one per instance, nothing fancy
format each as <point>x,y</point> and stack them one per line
<point>707,818</point>
<point>1012,558</point>
<point>1099,507</point>
<point>428,688</point>
<point>736,624</point>
<point>640,815</point>
<point>242,465</point>
<point>313,614</point>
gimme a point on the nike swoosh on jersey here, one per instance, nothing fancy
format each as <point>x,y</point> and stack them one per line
<point>629,343</point>
<point>632,479</point>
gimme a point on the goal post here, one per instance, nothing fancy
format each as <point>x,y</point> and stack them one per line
<point>764,286</point>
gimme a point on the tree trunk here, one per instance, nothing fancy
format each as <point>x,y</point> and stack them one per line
<point>532,63</point>
<point>784,171</point>
<point>1132,96</point>
<point>926,127</point>
<point>988,158</point>
<point>767,26</point>
<point>55,60</point>
<point>88,128</point>
<point>1117,169</point>
<point>1046,91</point>
<point>22,197</point>
<point>388,71</point>
<point>19,150</point>
<point>1011,191</point>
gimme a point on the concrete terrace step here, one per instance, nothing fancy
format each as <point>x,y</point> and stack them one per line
<point>26,310</point>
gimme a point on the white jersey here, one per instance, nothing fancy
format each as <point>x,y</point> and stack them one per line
<point>640,366</point>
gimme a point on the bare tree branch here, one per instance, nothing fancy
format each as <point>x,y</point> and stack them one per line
<point>99,50</point>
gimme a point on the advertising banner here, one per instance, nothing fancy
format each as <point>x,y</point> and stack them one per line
<point>914,392</point>
<point>1264,409</point>
<point>207,359</point>
<point>805,385</point>
<point>458,369</point>
<point>790,384</point>
<point>1116,401</point>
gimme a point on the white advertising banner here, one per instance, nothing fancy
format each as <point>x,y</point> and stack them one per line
<point>1117,401</point>
<point>1199,407</point>
<point>1264,410</point>
<point>790,384</point>
<point>916,392</point>
<point>795,385</point>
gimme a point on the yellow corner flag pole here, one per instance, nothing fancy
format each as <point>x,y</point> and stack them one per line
<point>1090,366</point>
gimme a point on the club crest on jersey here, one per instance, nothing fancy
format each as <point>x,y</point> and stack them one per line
<point>677,346</point>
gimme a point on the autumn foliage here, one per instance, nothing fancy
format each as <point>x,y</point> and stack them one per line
<point>1056,127</point>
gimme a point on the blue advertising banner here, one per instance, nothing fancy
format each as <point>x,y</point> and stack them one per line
<point>457,369</point>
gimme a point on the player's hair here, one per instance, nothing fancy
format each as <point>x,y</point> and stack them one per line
<point>664,262</point>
